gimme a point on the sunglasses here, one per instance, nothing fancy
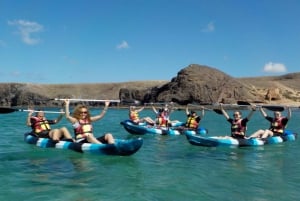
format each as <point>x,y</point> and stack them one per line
<point>83,112</point>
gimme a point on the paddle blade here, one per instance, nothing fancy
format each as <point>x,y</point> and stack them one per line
<point>5,110</point>
<point>274,108</point>
<point>218,111</point>
<point>243,103</point>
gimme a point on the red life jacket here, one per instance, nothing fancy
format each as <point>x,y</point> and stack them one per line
<point>40,125</point>
<point>237,128</point>
<point>162,119</point>
<point>277,126</point>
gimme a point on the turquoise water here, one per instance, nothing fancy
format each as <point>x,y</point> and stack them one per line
<point>165,168</point>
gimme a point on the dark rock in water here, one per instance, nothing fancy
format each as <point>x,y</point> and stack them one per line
<point>195,83</point>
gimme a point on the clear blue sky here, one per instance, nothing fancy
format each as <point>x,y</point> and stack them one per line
<point>83,41</point>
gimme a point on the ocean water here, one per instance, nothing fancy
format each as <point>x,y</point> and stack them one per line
<point>165,168</point>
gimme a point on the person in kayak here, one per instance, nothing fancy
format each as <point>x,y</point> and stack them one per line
<point>238,124</point>
<point>277,124</point>
<point>134,116</point>
<point>193,120</point>
<point>41,127</point>
<point>81,120</point>
<point>163,115</point>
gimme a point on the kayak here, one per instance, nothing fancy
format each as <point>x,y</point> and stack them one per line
<point>215,141</point>
<point>143,128</point>
<point>121,147</point>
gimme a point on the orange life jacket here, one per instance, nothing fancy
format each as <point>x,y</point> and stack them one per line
<point>84,127</point>
<point>192,122</point>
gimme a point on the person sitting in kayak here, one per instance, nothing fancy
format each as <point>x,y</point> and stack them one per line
<point>134,116</point>
<point>238,124</point>
<point>41,127</point>
<point>193,120</point>
<point>163,115</point>
<point>277,124</point>
<point>82,123</point>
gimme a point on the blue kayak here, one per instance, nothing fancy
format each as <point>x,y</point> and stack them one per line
<point>143,128</point>
<point>215,141</point>
<point>121,147</point>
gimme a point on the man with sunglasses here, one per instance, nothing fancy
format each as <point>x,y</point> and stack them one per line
<point>41,127</point>
<point>277,124</point>
<point>238,124</point>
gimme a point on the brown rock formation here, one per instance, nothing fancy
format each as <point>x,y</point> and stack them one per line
<point>273,94</point>
<point>200,84</point>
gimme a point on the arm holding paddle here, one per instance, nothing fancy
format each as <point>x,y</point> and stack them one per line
<point>28,120</point>
<point>262,111</point>
<point>68,116</point>
<point>224,112</point>
<point>289,113</point>
<point>101,115</point>
<point>253,109</point>
<point>154,109</point>
<point>60,116</point>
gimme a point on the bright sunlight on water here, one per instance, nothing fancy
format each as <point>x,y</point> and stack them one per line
<point>165,168</point>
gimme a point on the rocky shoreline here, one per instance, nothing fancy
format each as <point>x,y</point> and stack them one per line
<point>194,84</point>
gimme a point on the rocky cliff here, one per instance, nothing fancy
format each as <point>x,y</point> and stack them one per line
<point>201,84</point>
<point>193,84</point>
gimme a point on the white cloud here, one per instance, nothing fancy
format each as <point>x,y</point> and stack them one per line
<point>26,29</point>
<point>123,45</point>
<point>210,27</point>
<point>274,68</point>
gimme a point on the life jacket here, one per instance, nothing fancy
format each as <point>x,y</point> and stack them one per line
<point>237,128</point>
<point>277,126</point>
<point>134,116</point>
<point>83,128</point>
<point>192,122</point>
<point>162,120</point>
<point>40,125</point>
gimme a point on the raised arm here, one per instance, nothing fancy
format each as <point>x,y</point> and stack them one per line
<point>101,115</point>
<point>289,115</point>
<point>28,120</point>
<point>139,110</point>
<point>223,111</point>
<point>154,109</point>
<point>67,112</point>
<point>59,117</point>
<point>253,109</point>
<point>202,112</point>
<point>262,111</point>
<point>187,112</point>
